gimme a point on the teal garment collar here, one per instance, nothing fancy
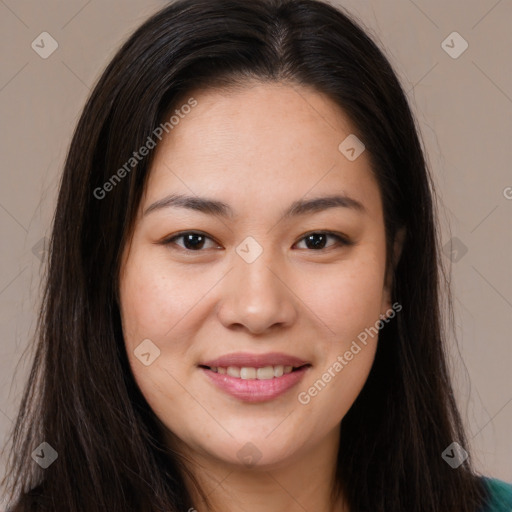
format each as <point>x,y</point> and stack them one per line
<point>500,495</point>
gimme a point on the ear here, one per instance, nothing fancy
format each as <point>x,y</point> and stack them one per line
<point>398,245</point>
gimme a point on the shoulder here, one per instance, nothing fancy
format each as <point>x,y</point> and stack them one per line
<point>499,495</point>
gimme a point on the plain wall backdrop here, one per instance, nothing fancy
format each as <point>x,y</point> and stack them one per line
<point>458,84</point>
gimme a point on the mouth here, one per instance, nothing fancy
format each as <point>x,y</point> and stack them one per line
<point>255,373</point>
<point>254,377</point>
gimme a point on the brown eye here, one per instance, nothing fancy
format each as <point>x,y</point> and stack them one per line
<point>192,241</point>
<point>317,240</point>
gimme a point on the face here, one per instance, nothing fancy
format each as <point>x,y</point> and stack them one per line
<point>247,323</point>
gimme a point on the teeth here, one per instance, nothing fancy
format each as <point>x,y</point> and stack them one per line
<point>233,371</point>
<point>248,373</point>
<point>267,372</point>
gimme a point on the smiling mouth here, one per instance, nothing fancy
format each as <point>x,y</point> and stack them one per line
<point>252,373</point>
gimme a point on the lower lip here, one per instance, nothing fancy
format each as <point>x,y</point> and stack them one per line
<point>254,390</point>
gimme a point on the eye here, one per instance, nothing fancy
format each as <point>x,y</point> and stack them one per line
<point>317,240</point>
<point>193,241</point>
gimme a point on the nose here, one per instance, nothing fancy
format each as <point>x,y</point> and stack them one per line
<point>257,297</point>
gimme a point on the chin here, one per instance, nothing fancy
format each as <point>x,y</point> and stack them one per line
<point>256,452</point>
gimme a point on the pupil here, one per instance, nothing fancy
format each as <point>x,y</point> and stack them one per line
<point>193,245</point>
<point>316,244</point>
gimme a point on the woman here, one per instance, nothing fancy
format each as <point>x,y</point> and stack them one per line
<point>242,306</point>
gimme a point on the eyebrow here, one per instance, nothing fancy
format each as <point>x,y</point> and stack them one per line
<point>221,209</point>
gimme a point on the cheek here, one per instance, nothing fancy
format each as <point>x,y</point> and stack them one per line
<point>151,309</point>
<point>333,391</point>
<point>345,357</point>
<point>347,299</point>
<point>153,301</point>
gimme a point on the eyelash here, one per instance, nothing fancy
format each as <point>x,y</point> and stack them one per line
<point>342,240</point>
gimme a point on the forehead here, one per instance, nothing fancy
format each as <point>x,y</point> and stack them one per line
<point>265,140</point>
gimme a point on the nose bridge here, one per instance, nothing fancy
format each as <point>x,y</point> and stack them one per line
<point>256,295</point>
<point>259,276</point>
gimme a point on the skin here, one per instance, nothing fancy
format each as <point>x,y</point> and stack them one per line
<point>257,149</point>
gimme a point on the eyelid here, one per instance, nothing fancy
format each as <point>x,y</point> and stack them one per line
<point>342,239</point>
<point>170,239</point>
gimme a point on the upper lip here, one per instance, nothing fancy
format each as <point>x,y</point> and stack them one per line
<point>244,359</point>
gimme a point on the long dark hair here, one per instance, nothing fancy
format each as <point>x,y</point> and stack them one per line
<point>81,396</point>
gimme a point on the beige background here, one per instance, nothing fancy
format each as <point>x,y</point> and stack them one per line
<point>464,110</point>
